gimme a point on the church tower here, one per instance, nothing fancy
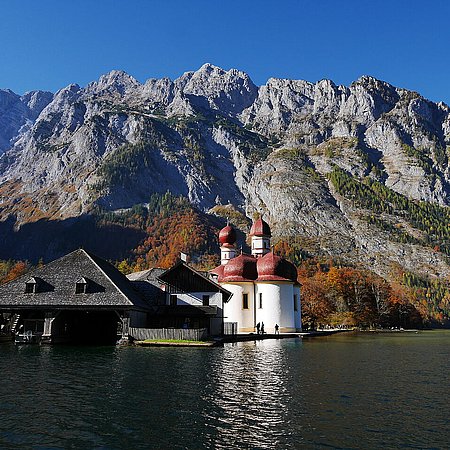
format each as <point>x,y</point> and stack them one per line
<point>227,241</point>
<point>260,234</point>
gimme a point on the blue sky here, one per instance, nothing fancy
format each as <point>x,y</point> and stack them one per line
<point>48,44</point>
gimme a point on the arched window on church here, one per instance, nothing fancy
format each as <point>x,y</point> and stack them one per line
<point>244,301</point>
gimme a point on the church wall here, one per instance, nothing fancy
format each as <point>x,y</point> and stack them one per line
<point>287,309</point>
<point>234,311</point>
<point>278,306</point>
<point>226,254</point>
<point>298,313</point>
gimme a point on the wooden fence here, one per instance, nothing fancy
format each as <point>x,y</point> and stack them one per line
<point>141,334</point>
<point>230,328</point>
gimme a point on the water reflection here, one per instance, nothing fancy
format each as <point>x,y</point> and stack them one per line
<point>249,397</point>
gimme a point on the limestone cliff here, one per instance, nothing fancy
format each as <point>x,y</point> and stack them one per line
<point>216,138</point>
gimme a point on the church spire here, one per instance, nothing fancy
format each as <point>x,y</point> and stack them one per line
<point>227,241</point>
<point>260,234</point>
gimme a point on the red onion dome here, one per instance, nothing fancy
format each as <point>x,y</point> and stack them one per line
<point>227,235</point>
<point>241,268</point>
<point>272,267</point>
<point>260,228</point>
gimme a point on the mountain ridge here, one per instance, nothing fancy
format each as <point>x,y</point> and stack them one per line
<point>216,138</point>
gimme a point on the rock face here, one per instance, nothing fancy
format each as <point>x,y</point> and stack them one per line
<point>17,113</point>
<point>216,138</point>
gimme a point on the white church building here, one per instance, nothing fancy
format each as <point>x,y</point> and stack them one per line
<point>264,285</point>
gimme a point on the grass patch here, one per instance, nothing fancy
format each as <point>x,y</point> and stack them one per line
<point>172,341</point>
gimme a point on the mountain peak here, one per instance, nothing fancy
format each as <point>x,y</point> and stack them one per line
<point>369,81</point>
<point>229,91</point>
<point>208,68</point>
<point>117,76</point>
<point>114,81</point>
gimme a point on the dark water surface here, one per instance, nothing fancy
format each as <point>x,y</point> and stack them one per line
<point>344,391</point>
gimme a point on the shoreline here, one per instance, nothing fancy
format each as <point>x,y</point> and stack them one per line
<point>240,338</point>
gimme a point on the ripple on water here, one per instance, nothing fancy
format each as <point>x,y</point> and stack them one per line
<point>340,392</point>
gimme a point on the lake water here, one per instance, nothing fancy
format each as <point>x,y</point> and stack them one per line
<point>343,391</point>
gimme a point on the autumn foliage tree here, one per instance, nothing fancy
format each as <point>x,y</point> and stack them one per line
<point>10,270</point>
<point>171,226</point>
<point>316,306</point>
<point>347,296</point>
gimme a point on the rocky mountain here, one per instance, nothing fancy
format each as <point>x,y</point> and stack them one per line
<point>309,156</point>
<point>17,114</point>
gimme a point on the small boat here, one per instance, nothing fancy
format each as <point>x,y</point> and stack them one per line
<point>30,332</point>
<point>28,337</point>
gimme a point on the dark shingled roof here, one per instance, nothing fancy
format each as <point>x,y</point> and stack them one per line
<point>148,285</point>
<point>107,287</point>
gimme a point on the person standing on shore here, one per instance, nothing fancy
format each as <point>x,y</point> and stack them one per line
<point>262,328</point>
<point>258,327</point>
<point>277,328</point>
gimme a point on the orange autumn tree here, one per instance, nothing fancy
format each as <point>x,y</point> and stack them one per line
<point>168,236</point>
<point>348,296</point>
<point>15,271</point>
<point>171,225</point>
<point>316,306</point>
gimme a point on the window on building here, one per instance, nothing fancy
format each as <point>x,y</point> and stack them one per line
<point>244,301</point>
<point>206,300</point>
<point>30,287</point>
<point>81,286</point>
<point>260,300</point>
<point>173,300</point>
<point>295,302</point>
<point>33,285</point>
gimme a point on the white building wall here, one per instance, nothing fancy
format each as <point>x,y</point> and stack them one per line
<point>298,313</point>
<point>196,298</point>
<point>287,307</point>
<point>277,306</point>
<point>234,311</point>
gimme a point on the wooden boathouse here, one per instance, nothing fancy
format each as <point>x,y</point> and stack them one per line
<point>81,298</point>
<point>78,298</point>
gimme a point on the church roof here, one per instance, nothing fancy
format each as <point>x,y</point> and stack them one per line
<point>241,268</point>
<point>260,228</point>
<point>218,271</point>
<point>247,268</point>
<point>272,267</point>
<point>227,235</point>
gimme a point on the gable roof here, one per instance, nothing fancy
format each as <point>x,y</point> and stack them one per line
<point>150,275</point>
<point>108,288</point>
<point>148,285</point>
<point>187,279</point>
